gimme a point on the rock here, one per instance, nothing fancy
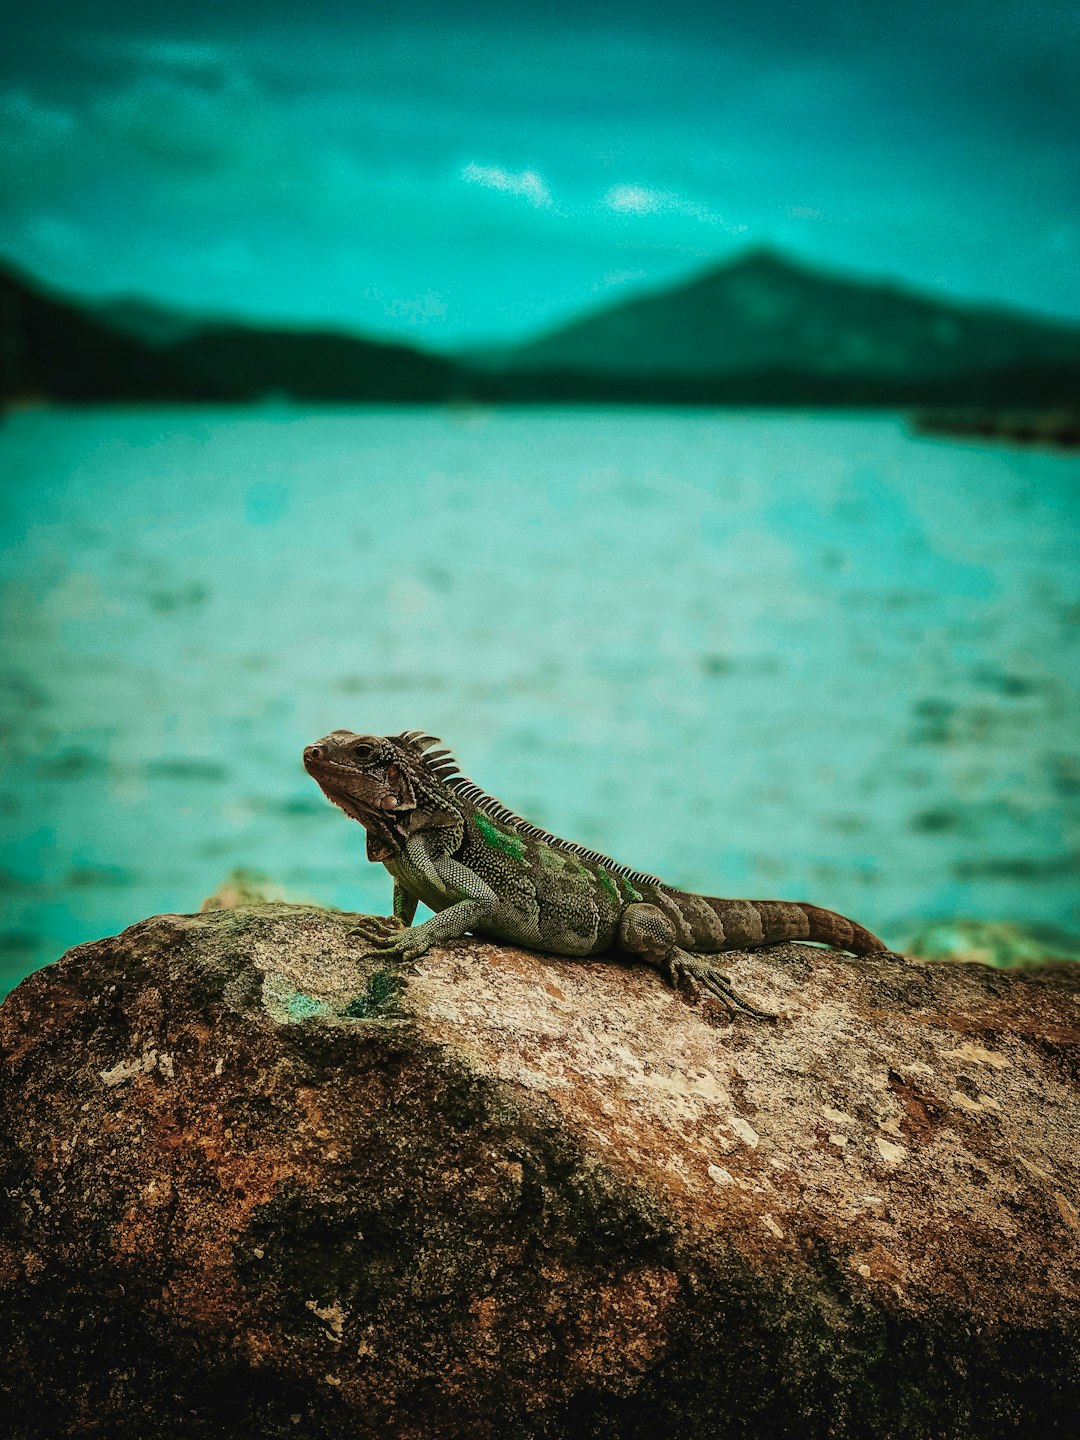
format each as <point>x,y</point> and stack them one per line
<point>249,887</point>
<point>254,1185</point>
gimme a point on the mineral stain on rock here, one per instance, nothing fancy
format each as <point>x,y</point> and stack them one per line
<point>304,1007</point>
<point>384,987</point>
<point>254,1183</point>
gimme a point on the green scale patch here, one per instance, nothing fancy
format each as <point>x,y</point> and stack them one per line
<point>497,839</point>
<point>609,885</point>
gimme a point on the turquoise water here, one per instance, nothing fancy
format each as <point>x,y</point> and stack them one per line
<point>785,655</point>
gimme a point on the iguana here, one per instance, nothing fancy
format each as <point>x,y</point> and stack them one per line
<point>483,869</point>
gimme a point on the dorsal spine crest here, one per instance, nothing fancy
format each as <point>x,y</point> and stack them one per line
<point>444,768</point>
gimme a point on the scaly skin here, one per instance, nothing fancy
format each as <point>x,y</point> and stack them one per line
<point>484,870</point>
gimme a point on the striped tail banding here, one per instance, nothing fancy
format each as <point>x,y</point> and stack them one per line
<point>750,923</point>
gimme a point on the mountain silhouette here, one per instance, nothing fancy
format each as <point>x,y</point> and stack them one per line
<point>761,330</point>
<point>763,312</point>
<point>53,347</point>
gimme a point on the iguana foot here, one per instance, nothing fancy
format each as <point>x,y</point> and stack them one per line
<point>697,979</point>
<point>385,937</point>
<point>375,929</point>
<point>404,949</point>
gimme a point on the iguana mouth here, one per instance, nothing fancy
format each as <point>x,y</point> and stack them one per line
<point>320,765</point>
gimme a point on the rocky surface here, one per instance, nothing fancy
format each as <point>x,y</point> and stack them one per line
<point>252,1186</point>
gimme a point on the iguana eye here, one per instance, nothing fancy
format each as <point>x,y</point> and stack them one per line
<point>363,753</point>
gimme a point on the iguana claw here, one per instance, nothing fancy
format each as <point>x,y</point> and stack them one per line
<point>401,950</point>
<point>375,928</point>
<point>696,978</point>
<point>384,937</point>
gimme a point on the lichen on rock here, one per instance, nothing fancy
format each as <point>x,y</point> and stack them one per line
<point>255,1183</point>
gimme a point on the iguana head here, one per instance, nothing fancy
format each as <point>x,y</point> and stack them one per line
<point>386,782</point>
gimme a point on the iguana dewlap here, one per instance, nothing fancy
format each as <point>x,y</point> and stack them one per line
<point>485,870</point>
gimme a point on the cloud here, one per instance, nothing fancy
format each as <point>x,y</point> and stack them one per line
<point>287,164</point>
<point>626,199</point>
<point>185,128</point>
<point>56,235</point>
<point>641,200</point>
<point>416,309</point>
<point>160,52</point>
<point>168,139</point>
<point>634,200</point>
<point>526,183</point>
<point>612,278</point>
<point>37,143</point>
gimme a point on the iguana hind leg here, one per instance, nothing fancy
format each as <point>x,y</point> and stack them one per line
<point>695,977</point>
<point>646,931</point>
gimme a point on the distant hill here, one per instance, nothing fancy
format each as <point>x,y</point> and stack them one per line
<point>763,314</point>
<point>146,320</point>
<point>759,331</point>
<point>53,347</point>
<point>315,365</point>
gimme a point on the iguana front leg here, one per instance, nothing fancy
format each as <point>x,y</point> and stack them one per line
<point>449,924</point>
<point>375,929</point>
<point>646,931</point>
<point>478,899</point>
<point>404,904</point>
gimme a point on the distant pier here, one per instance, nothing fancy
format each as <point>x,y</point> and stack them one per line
<point>1046,429</point>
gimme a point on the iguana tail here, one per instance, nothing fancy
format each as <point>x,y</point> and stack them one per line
<point>749,923</point>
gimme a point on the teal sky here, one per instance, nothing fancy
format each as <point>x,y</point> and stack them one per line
<point>459,173</point>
